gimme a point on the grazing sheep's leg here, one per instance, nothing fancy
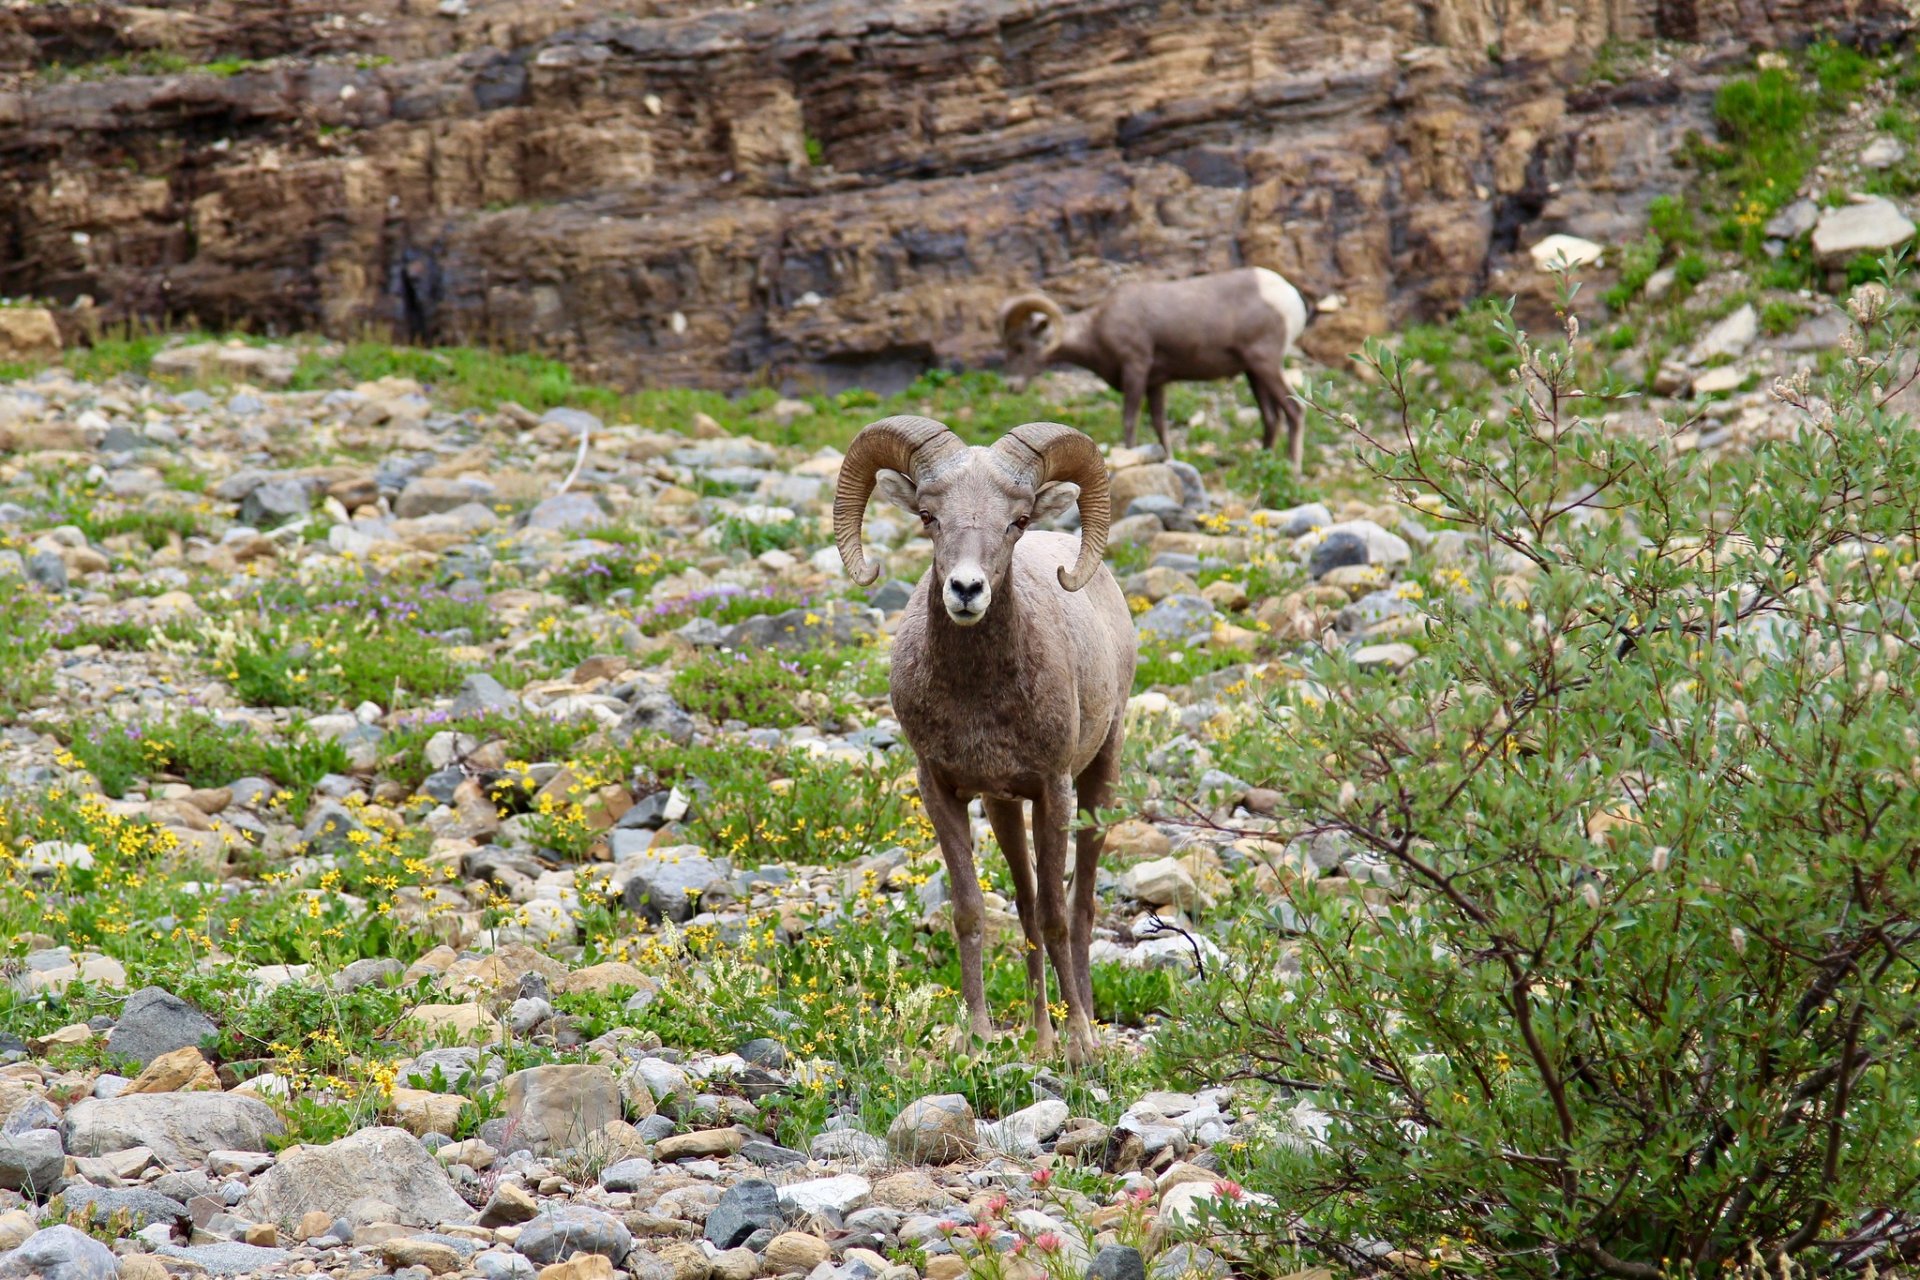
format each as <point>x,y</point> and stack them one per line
<point>1053,813</point>
<point>1011,831</point>
<point>1157,406</point>
<point>1133,389</point>
<point>1296,427</point>
<point>1268,398</point>
<point>1095,788</point>
<point>948,814</point>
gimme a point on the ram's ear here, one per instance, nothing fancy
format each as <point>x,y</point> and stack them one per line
<point>898,489</point>
<point>1055,500</point>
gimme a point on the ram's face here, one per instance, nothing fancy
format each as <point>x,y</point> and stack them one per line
<point>974,513</point>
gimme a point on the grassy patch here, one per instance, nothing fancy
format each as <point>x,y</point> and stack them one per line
<point>1161,665</point>
<point>756,537</point>
<point>768,688</point>
<point>348,641</point>
<point>23,643</point>
<point>200,751</point>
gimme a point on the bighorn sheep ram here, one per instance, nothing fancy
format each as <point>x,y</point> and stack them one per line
<point>1011,671</point>
<point>1149,333</point>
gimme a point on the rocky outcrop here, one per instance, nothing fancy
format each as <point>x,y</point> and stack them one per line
<point>822,192</point>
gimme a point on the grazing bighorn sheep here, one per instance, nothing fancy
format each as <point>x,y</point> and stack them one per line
<point>1011,671</point>
<point>1149,333</point>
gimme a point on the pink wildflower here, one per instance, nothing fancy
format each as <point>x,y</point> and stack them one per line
<point>1048,1242</point>
<point>1229,1189</point>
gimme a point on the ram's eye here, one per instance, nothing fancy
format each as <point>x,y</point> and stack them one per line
<point>926,517</point>
<point>1021,523</point>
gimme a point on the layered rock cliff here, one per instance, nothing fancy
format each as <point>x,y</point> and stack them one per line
<point>823,192</point>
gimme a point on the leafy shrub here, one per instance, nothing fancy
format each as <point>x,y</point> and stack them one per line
<point>1643,994</point>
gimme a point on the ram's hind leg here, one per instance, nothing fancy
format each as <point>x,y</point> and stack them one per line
<point>1094,789</point>
<point>1011,831</point>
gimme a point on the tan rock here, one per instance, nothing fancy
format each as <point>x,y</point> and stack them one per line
<point>735,1264</point>
<point>438,1258</point>
<point>459,1022</point>
<point>685,1262</point>
<point>15,1226</point>
<point>605,977</point>
<point>142,1266</point>
<point>1226,595</point>
<point>314,1222</point>
<point>420,1111</point>
<point>700,1143</point>
<point>28,335</point>
<point>1136,839</point>
<point>581,1266</point>
<point>1155,479</point>
<point>510,1204</point>
<point>946,1266</point>
<point>910,1190</point>
<point>181,1071</point>
<point>264,1234</point>
<point>795,1251</point>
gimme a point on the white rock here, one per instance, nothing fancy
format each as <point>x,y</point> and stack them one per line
<point>1725,378</point>
<point>1882,153</point>
<point>1730,336</point>
<point>841,1195</point>
<point>1868,226</point>
<point>1572,249</point>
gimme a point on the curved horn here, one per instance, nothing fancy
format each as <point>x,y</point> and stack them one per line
<point>1053,451</point>
<point>901,443</point>
<point>1016,310</point>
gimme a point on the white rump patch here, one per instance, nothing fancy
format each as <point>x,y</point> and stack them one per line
<point>1284,298</point>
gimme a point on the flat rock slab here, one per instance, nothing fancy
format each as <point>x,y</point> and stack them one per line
<point>180,1128</point>
<point>382,1164</point>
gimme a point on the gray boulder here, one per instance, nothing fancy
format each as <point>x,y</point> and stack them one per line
<point>557,1236</point>
<point>32,1162</point>
<point>566,513</point>
<point>381,1163</point>
<point>480,695</point>
<point>276,502</point>
<point>933,1130</point>
<point>142,1207</point>
<point>744,1208</point>
<point>666,883</point>
<point>60,1253</point>
<point>1177,617</point>
<point>155,1021</point>
<point>180,1128</point>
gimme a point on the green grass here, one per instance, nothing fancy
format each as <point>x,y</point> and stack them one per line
<point>736,533</point>
<point>23,644</point>
<point>200,751</point>
<point>152,62</point>
<point>764,687</point>
<point>1170,665</point>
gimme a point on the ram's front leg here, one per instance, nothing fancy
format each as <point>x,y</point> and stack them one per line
<point>1053,814</point>
<point>948,813</point>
